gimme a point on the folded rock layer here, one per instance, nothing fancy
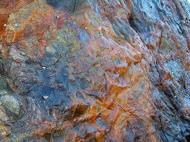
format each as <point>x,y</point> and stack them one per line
<point>95,70</point>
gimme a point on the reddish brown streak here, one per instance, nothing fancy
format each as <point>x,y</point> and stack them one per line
<point>7,7</point>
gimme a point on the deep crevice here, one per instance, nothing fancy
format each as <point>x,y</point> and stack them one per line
<point>132,23</point>
<point>187,138</point>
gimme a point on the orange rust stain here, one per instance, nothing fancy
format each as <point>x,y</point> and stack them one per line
<point>9,6</point>
<point>3,21</point>
<point>6,8</point>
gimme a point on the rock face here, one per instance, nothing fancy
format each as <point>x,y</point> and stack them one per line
<point>95,70</point>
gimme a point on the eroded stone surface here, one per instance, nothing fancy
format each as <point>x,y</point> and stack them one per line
<point>96,70</point>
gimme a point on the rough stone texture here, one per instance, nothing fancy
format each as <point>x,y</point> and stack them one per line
<point>95,70</point>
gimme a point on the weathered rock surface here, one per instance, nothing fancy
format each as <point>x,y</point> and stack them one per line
<point>95,70</point>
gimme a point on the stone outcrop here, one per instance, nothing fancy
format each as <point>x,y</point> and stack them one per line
<point>95,70</point>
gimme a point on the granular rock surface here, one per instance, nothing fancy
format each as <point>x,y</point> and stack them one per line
<point>94,71</point>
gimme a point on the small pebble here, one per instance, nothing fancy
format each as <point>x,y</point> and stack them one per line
<point>16,24</point>
<point>44,68</point>
<point>45,97</point>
